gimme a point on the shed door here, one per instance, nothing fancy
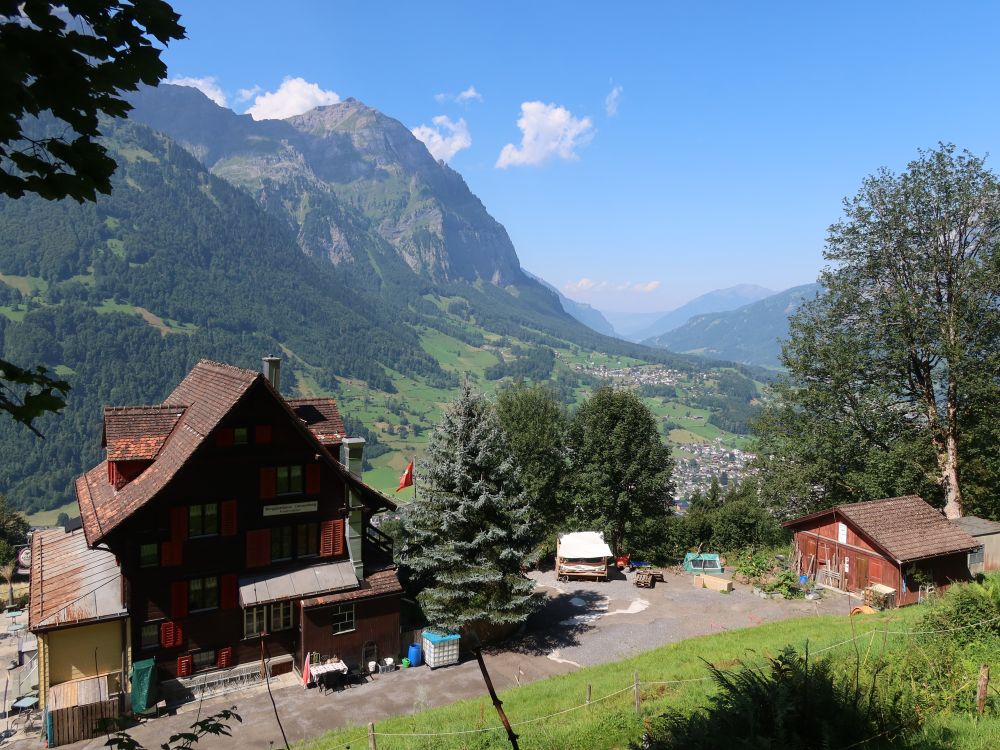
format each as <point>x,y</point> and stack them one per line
<point>860,571</point>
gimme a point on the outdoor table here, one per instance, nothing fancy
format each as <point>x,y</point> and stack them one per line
<point>14,614</point>
<point>22,704</point>
<point>15,628</point>
<point>321,669</point>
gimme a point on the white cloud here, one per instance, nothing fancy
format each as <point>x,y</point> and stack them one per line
<point>293,97</point>
<point>208,85</point>
<point>589,285</point>
<point>547,131</point>
<point>244,95</point>
<point>470,94</point>
<point>446,138</point>
<point>611,101</point>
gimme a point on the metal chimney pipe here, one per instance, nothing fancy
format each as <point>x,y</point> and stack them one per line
<point>272,371</point>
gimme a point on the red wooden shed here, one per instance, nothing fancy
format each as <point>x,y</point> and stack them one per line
<point>900,542</point>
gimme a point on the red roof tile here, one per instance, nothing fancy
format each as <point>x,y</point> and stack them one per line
<point>134,433</point>
<point>321,416</point>
<point>905,527</point>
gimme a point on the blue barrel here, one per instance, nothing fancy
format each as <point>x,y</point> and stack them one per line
<point>414,655</point>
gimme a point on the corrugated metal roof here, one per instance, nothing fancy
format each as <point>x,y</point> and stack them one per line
<point>382,583</point>
<point>71,584</point>
<point>976,526</point>
<point>274,587</point>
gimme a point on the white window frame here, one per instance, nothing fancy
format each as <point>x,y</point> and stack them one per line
<point>282,616</point>
<point>258,624</point>
<point>342,618</point>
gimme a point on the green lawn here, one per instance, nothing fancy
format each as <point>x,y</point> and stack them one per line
<point>611,722</point>
<point>48,517</point>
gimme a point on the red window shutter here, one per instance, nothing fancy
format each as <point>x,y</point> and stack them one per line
<point>228,526</point>
<point>178,523</point>
<point>224,437</point>
<point>184,664</point>
<point>224,658</point>
<point>178,634</point>
<point>258,548</point>
<point>268,485</point>
<point>167,634</point>
<point>230,592</point>
<point>262,434</point>
<point>312,479</point>
<point>171,553</point>
<point>178,599</point>
<point>331,538</point>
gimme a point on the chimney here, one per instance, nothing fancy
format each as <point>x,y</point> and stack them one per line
<point>272,370</point>
<point>352,455</point>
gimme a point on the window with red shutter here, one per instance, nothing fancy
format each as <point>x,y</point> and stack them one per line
<point>228,525</point>
<point>331,538</point>
<point>225,657</point>
<point>268,488</point>
<point>230,592</point>
<point>312,479</point>
<point>184,664</point>
<point>178,599</point>
<point>258,548</point>
<point>167,635</point>
<point>262,434</point>
<point>178,523</point>
<point>224,437</point>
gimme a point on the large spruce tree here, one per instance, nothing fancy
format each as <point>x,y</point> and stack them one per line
<point>470,528</point>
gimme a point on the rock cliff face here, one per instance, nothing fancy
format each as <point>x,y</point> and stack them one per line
<point>354,183</point>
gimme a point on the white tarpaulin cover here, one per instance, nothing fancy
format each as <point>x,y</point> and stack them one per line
<point>583,545</point>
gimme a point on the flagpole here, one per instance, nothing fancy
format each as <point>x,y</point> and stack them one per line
<point>414,478</point>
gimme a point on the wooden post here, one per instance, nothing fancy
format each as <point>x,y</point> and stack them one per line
<point>493,695</point>
<point>984,683</point>
<point>638,699</point>
<point>371,736</point>
<point>588,693</point>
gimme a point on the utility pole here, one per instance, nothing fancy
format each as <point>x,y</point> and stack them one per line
<point>497,703</point>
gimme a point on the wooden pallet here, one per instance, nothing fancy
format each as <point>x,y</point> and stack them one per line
<point>646,579</point>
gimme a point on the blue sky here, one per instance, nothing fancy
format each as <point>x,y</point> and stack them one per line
<point>736,131</point>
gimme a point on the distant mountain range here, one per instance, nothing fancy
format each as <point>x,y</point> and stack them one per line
<point>748,334</point>
<point>586,314</point>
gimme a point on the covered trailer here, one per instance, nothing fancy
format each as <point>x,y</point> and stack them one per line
<point>582,554</point>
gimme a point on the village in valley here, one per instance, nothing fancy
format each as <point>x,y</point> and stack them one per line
<point>294,451</point>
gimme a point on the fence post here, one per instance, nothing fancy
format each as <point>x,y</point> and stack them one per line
<point>588,693</point>
<point>984,683</point>
<point>638,699</point>
<point>371,736</point>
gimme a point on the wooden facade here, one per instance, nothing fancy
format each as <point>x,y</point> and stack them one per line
<point>832,548</point>
<point>259,497</point>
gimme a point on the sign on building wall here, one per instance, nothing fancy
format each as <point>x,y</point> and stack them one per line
<point>842,533</point>
<point>288,509</point>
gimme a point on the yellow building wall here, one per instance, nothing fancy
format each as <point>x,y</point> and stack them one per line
<point>84,651</point>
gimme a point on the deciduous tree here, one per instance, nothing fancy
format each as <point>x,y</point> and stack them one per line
<point>620,468</point>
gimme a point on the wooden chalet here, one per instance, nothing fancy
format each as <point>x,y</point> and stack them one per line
<point>239,520</point>
<point>899,543</point>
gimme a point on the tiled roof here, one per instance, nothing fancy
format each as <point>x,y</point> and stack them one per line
<point>905,527</point>
<point>71,584</point>
<point>207,394</point>
<point>382,583</point>
<point>321,416</point>
<point>138,432</point>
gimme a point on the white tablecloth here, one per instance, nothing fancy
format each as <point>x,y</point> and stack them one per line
<point>321,669</point>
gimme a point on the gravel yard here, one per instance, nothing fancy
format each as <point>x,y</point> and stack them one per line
<point>585,622</point>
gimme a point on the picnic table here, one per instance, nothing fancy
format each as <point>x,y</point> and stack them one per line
<point>26,703</point>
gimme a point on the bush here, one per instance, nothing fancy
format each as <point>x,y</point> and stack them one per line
<point>793,704</point>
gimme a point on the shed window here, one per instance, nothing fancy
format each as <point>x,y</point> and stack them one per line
<point>203,593</point>
<point>254,621</point>
<point>343,618</point>
<point>976,557</point>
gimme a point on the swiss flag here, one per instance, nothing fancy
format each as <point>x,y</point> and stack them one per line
<point>407,479</point>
